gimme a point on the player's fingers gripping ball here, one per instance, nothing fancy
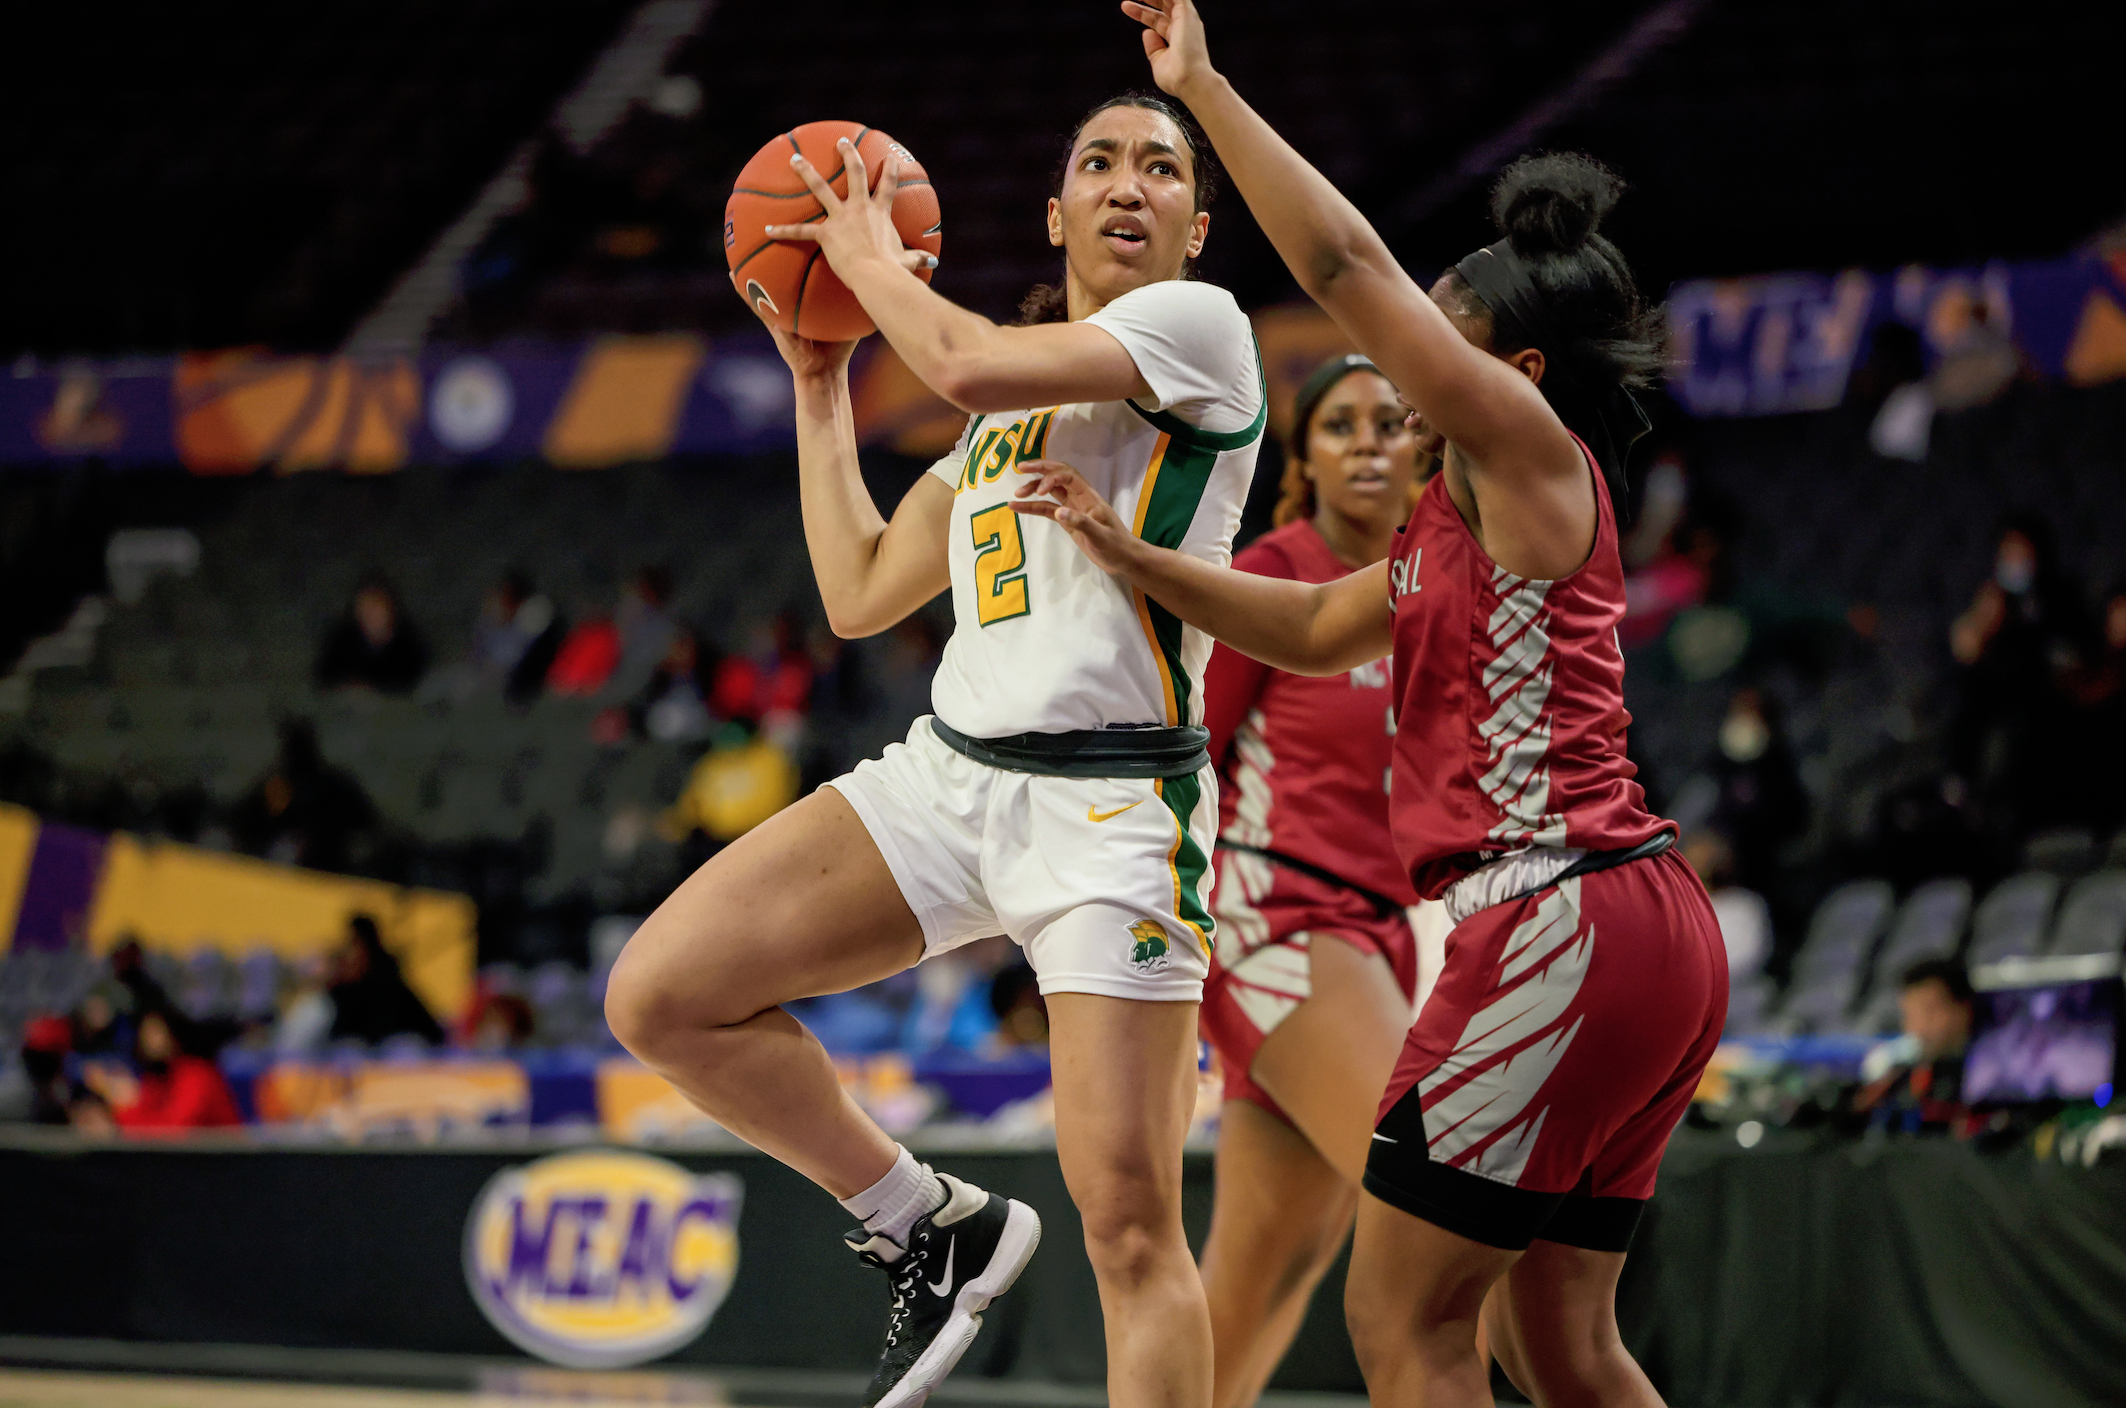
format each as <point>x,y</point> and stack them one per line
<point>788,282</point>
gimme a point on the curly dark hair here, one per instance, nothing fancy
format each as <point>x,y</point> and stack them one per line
<point>1047,303</point>
<point>1550,207</point>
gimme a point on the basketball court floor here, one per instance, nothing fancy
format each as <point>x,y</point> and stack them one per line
<point>535,1388</point>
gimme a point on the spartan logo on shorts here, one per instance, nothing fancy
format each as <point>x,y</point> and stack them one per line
<point>1149,953</point>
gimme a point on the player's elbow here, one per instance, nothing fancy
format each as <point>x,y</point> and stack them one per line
<point>853,623</point>
<point>960,383</point>
<point>977,384</point>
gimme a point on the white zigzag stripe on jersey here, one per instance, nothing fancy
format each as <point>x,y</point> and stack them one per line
<point>1251,876</point>
<point>1251,809</point>
<point>1518,678</point>
<point>1552,949</point>
<point>1270,983</point>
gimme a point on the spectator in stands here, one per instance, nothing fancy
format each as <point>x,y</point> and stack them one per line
<point>516,639</point>
<point>1677,556</point>
<point>303,811</point>
<point>1921,1071</point>
<point>620,650</point>
<point>771,684</point>
<point>1745,920</point>
<point>170,1089</point>
<point>1664,496</point>
<point>98,1029</point>
<point>305,1023</point>
<point>647,628</point>
<point>370,999</point>
<point>374,646</point>
<point>1761,803</point>
<point>2025,634</point>
<point>738,784</point>
<point>1021,1012</point>
<point>673,706</point>
<point>499,1022</point>
<point>46,1044</point>
<point>952,1010</point>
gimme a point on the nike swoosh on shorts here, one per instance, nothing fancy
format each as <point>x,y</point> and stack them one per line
<point>1096,815</point>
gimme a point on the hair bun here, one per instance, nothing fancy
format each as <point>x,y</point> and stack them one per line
<point>1553,203</point>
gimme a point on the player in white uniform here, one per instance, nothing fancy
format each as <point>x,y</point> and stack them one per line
<point>1062,794</point>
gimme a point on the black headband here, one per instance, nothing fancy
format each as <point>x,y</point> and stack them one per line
<point>1502,280</point>
<point>1610,419</point>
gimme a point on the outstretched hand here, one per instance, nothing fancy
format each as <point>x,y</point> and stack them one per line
<point>1058,494</point>
<point>1173,41</point>
<point>856,226</point>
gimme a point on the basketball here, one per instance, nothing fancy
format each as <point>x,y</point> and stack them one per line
<point>788,282</point>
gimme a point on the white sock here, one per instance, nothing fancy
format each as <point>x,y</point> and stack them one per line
<point>892,1204</point>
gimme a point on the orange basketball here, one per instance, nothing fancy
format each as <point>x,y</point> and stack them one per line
<point>788,281</point>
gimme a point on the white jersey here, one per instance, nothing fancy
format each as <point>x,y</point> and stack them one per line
<point>1044,641</point>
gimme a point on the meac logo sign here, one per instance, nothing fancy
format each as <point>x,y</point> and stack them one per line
<point>600,1259</point>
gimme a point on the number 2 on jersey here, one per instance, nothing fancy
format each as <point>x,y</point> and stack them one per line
<point>999,565</point>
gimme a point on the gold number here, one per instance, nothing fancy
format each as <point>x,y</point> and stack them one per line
<point>999,565</point>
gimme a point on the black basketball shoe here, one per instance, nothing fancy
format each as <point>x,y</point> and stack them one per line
<point>958,1259</point>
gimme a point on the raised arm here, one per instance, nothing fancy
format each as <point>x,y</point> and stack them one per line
<point>1488,408</point>
<point>871,573</point>
<point>1300,627</point>
<point>964,357</point>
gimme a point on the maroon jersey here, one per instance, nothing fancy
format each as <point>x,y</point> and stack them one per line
<point>1510,701</point>
<point>1302,760</point>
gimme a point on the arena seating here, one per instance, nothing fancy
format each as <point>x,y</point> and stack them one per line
<point>1845,976</point>
<point>187,686</point>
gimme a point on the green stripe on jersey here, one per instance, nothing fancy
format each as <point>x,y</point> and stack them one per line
<point>1176,495</point>
<point>1196,435</point>
<point>1181,795</point>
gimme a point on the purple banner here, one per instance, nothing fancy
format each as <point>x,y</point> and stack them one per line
<point>1776,343</point>
<point>60,888</point>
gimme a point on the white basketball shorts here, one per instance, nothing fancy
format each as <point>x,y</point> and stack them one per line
<point>1104,882</point>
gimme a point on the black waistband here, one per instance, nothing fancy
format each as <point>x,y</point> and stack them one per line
<point>1383,907</point>
<point>1088,752</point>
<point>1605,860</point>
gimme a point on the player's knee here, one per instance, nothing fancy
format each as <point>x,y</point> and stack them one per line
<point>637,1008</point>
<point>646,1009</point>
<point>1570,1369</point>
<point>1130,1229</point>
<point>1388,1330</point>
<point>1374,1332</point>
<point>1313,1246</point>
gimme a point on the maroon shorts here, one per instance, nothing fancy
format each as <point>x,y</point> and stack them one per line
<point>1563,1043</point>
<point>1268,917</point>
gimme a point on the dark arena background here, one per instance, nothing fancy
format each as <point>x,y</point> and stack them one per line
<point>400,564</point>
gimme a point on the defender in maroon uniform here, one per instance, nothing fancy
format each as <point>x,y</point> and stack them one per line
<point>1585,983</point>
<point>1308,1000</point>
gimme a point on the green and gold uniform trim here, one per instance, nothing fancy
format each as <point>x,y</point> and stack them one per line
<point>1220,440</point>
<point>1186,860</point>
<point>1182,460</point>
